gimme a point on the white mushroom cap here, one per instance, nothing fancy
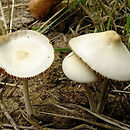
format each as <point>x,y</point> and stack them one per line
<point>25,54</point>
<point>105,53</point>
<point>75,69</point>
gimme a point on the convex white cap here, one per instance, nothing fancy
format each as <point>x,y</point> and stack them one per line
<point>76,70</point>
<point>25,54</point>
<point>105,53</point>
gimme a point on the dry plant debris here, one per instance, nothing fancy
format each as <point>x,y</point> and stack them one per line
<point>59,103</point>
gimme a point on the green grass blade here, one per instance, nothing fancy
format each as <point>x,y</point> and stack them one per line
<point>68,10</point>
<point>128,24</point>
<point>62,49</point>
<point>109,20</point>
<point>128,28</point>
<point>129,3</point>
<point>35,29</point>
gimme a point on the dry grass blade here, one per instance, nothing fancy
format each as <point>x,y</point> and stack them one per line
<point>51,18</point>
<point>103,117</point>
<point>21,127</point>
<point>10,119</point>
<point>127,87</point>
<point>82,119</point>
<point>33,122</point>
<point>2,27</point>
<point>11,85</point>
<point>88,13</point>
<point>119,91</point>
<point>83,126</point>
<point>17,5</point>
<point>103,7</point>
<point>2,12</point>
<point>11,19</point>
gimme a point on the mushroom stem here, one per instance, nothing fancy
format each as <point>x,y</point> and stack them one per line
<point>90,98</point>
<point>100,105</point>
<point>26,98</point>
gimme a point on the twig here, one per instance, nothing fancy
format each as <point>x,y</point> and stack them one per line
<point>21,127</point>
<point>33,122</point>
<point>105,118</point>
<point>127,87</point>
<point>119,91</point>
<point>79,127</point>
<point>2,12</point>
<point>9,13</point>
<point>11,19</point>
<point>10,119</point>
<point>1,26</point>
<point>17,5</point>
<point>82,119</point>
<point>11,85</point>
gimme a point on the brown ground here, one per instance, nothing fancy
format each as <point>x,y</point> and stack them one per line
<point>54,87</point>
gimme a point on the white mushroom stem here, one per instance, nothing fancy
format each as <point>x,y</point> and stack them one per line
<point>26,98</point>
<point>90,98</point>
<point>100,105</point>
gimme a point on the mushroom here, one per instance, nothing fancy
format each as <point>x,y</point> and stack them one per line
<point>24,55</point>
<point>76,70</point>
<point>104,53</point>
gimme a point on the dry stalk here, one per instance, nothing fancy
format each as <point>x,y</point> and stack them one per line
<point>11,18</point>
<point>103,7</point>
<point>51,18</point>
<point>103,117</point>
<point>82,119</point>
<point>10,119</point>
<point>3,16</point>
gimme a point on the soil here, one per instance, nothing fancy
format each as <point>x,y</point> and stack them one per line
<point>53,87</point>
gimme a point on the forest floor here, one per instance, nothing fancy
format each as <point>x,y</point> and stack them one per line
<point>57,102</point>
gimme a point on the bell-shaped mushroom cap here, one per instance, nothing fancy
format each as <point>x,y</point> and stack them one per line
<point>25,54</point>
<point>75,69</point>
<point>105,53</point>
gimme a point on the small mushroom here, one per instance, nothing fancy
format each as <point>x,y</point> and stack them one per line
<point>105,53</point>
<point>24,55</point>
<point>76,70</point>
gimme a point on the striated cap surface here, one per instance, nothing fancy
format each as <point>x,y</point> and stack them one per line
<point>25,54</point>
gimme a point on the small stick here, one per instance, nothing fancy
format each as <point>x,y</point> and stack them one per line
<point>82,119</point>
<point>2,28</point>
<point>11,85</point>
<point>8,116</point>
<point>120,91</point>
<point>9,13</point>
<point>2,12</point>
<point>107,119</point>
<point>21,127</point>
<point>17,5</point>
<point>11,19</point>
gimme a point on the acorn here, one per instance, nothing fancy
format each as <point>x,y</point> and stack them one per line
<point>39,8</point>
